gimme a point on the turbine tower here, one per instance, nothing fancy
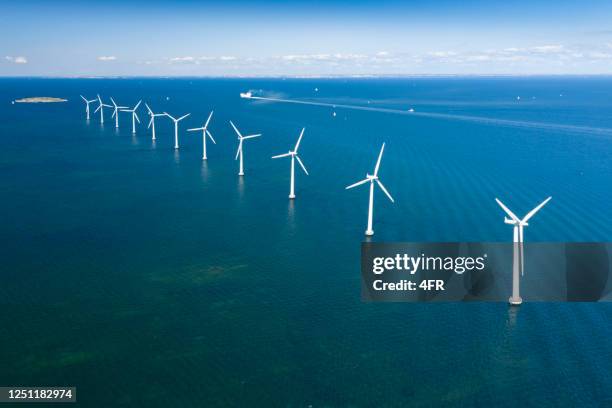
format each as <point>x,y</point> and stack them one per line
<point>116,113</point>
<point>517,258</point>
<point>239,152</point>
<point>176,121</point>
<point>294,156</point>
<point>152,120</point>
<point>100,108</point>
<point>134,116</point>
<point>87,106</point>
<point>205,132</point>
<point>373,178</point>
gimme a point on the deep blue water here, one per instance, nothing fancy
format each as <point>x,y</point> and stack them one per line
<point>146,278</point>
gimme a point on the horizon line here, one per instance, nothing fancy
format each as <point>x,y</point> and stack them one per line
<point>323,76</point>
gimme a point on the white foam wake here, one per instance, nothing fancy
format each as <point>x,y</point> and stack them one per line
<point>479,119</point>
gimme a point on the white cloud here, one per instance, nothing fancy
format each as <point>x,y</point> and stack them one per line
<point>107,58</point>
<point>331,58</point>
<point>182,59</point>
<point>547,48</point>
<point>198,60</point>
<point>525,58</point>
<point>17,60</point>
<point>442,54</point>
<point>600,55</point>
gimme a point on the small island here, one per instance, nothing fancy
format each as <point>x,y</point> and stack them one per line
<point>39,99</point>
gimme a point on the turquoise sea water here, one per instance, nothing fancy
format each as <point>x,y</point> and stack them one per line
<point>146,278</point>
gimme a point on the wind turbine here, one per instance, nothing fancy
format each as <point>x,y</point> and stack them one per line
<point>205,132</point>
<point>87,107</point>
<point>176,121</point>
<point>115,112</point>
<point>152,121</point>
<point>373,178</point>
<point>134,116</point>
<point>239,152</point>
<point>100,108</point>
<point>294,155</point>
<point>517,260</point>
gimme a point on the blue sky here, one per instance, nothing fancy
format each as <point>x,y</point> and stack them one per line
<point>335,37</point>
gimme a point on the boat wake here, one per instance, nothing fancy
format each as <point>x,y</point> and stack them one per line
<point>446,116</point>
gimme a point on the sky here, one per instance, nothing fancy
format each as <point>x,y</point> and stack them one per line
<point>304,38</point>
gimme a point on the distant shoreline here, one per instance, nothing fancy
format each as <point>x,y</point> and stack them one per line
<point>40,99</point>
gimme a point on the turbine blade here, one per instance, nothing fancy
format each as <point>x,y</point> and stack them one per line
<point>384,190</point>
<point>168,115</point>
<point>149,109</point>
<point>358,183</point>
<point>82,97</point>
<point>183,117</point>
<point>301,164</point>
<point>236,129</point>
<point>194,129</point>
<point>239,149</point>
<point>251,136</point>
<point>507,210</point>
<point>113,101</point>
<point>208,120</point>
<point>535,210</point>
<point>98,108</point>
<point>299,140</point>
<point>137,105</point>
<point>151,121</point>
<point>209,135</point>
<point>136,116</point>
<point>379,158</point>
<point>278,156</point>
<point>522,262</point>
<point>114,113</point>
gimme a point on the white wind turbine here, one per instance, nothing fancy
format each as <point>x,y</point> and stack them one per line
<point>205,132</point>
<point>518,261</point>
<point>87,107</point>
<point>239,152</point>
<point>373,178</point>
<point>152,120</point>
<point>100,108</point>
<point>294,155</point>
<point>115,112</point>
<point>134,116</point>
<point>176,121</point>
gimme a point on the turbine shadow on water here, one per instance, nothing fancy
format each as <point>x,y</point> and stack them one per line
<point>291,215</point>
<point>241,187</point>
<point>512,317</point>
<point>204,171</point>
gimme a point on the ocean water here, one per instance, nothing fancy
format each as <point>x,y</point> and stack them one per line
<point>145,277</point>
